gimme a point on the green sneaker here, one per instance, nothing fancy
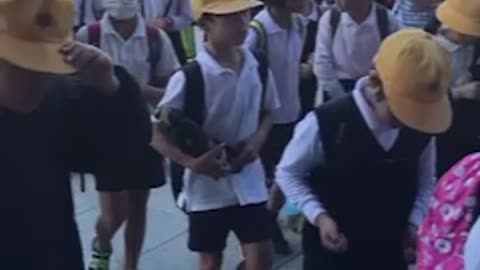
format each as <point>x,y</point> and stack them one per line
<point>100,259</point>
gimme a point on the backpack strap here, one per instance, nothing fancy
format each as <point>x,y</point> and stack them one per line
<point>188,42</point>
<point>382,21</point>
<point>81,14</point>
<point>475,66</point>
<point>94,34</point>
<point>194,102</point>
<point>154,49</point>
<point>258,27</point>
<point>262,60</point>
<point>335,16</point>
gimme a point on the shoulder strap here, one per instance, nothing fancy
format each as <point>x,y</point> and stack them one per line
<point>382,21</point>
<point>188,42</point>
<point>262,72</point>
<point>154,49</point>
<point>81,13</point>
<point>94,34</point>
<point>168,7</point>
<point>335,16</point>
<point>261,34</point>
<point>194,102</point>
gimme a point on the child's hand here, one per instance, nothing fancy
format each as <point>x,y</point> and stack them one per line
<point>330,236</point>
<point>211,163</point>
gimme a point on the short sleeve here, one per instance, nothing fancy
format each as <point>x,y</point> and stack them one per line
<point>175,93</point>
<point>168,61</point>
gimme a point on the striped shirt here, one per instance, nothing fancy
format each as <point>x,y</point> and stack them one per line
<point>408,16</point>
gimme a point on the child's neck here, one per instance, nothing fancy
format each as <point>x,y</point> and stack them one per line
<point>281,16</point>
<point>125,28</point>
<point>228,57</point>
<point>360,14</point>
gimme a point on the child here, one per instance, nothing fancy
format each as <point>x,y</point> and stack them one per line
<point>148,55</point>
<point>280,33</point>
<point>362,167</point>
<point>415,13</point>
<point>54,123</point>
<point>462,41</point>
<point>348,38</point>
<point>219,198</point>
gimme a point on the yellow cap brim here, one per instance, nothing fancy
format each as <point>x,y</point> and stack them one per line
<point>229,7</point>
<point>431,118</point>
<point>35,56</point>
<point>453,19</point>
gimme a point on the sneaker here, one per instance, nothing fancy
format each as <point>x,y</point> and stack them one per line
<point>100,259</point>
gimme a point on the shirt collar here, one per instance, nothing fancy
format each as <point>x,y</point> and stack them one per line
<point>271,27</point>
<point>107,27</point>
<point>374,122</point>
<point>371,19</point>
<point>207,61</point>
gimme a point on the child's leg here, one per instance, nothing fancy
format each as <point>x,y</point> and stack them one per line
<point>208,232</point>
<point>112,215</point>
<point>252,226</point>
<point>135,229</point>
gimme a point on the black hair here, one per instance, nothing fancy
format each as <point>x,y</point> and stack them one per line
<point>276,3</point>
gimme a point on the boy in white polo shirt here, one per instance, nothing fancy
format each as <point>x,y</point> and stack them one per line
<point>147,54</point>
<point>349,36</point>
<point>219,200</point>
<point>280,33</point>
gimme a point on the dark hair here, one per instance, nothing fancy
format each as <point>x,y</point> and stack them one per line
<point>277,3</point>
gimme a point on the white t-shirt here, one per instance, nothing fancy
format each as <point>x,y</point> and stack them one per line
<point>472,248</point>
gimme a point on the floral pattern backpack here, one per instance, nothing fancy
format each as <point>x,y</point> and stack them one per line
<point>443,235</point>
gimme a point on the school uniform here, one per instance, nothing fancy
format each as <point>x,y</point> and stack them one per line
<point>372,179</point>
<point>341,61</point>
<point>462,138</point>
<point>236,202</point>
<point>409,16</point>
<point>284,50</point>
<point>308,86</point>
<point>133,53</point>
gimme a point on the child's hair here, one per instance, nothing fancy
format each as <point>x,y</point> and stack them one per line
<point>275,3</point>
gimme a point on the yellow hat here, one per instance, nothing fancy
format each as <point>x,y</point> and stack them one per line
<point>222,7</point>
<point>33,31</point>
<point>462,16</point>
<point>415,72</point>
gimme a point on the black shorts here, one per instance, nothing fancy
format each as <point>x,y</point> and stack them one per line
<point>272,151</point>
<point>145,172</point>
<point>208,230</point>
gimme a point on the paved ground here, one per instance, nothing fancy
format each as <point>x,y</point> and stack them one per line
<point>165,245</point>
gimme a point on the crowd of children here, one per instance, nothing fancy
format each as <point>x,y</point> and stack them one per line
<point>349,109</point>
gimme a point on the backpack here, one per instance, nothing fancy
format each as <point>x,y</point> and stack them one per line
<point>154,46</point>
<point>453,209</point>
<point>194,108</point>
<point>382,20</point>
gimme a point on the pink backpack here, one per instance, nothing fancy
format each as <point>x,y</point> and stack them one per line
<point>445,230</point>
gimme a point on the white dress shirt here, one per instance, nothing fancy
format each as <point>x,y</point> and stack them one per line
<point>284,55</point>
<point>305,152</point>
<point>462,59</point>
<point>133,53</point>
<point>232,102</point>
<point>350,55</point>
<point>472,248</point>
<point>180,11</point>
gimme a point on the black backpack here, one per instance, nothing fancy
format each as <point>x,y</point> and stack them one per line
<point>194,108</point>
<point>382,20</point>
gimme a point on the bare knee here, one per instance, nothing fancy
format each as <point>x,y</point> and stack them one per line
<point>210,261</point>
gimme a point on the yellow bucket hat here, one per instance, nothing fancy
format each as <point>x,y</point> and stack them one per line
<point>33,31</point>
<point>222,7</point>
<point>415,72</point>
<point>462,16</point>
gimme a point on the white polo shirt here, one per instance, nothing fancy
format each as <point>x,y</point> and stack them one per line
<point>133,53</point>
<point>350,54</point>
<point>306,151</point>
<point>232,102</point>
<point>180,11</point>
<point>284,51</point>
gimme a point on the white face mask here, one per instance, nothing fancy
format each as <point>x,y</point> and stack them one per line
<point>121,9</point>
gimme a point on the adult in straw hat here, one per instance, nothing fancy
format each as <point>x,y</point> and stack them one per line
<point>362,167</point>
<point>63,108</point>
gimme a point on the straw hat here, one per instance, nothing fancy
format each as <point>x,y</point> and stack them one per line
<point>222,7</point>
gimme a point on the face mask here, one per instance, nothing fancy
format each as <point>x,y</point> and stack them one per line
<point>121,9</point>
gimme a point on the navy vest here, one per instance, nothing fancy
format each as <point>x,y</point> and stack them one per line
<point>370,192</point>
